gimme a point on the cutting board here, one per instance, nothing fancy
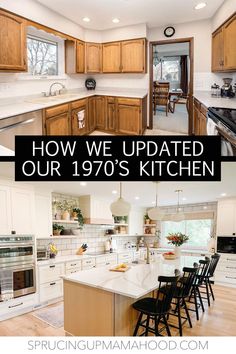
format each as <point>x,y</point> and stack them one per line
<point>121,270</point>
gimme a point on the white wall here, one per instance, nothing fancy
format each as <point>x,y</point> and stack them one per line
<point>223,13</point>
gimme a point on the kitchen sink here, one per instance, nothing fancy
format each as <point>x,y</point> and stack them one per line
<point>52,98</point>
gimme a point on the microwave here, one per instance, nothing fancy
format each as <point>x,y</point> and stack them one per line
<point>226,244</point>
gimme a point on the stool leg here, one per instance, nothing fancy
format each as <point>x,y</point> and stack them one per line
<point>167,326</point>
<point>138,324</point>
<point>179,319</point>
<point>147,325</point>
<point>157,320</point>
<point>211,290</point>
<point>200,298</point>
<point>187,313</point>
<point>208,294</point>
<point>196,304</point>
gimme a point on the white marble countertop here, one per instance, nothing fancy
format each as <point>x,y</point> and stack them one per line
<point>138,281</point>
<point>6,152</point>
<point>19,105</point>
<point>218,102</point>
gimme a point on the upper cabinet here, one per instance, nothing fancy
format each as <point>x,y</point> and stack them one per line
<point>111,53</point>
<point>12,42</point>
<point>94,210</point>
<point>133,58</point>
<point>75,56</point>
<point>226,217</point>
<point>224,47</point>
<point>93,57</point>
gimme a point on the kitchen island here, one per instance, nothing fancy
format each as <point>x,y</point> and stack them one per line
<point>98,302</point>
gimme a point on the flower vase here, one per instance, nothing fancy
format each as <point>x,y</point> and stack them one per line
<point>177,251</point>
<point>65,215</point>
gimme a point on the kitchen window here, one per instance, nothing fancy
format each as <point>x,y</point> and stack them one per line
<point>199,232</point>
<point>168,69</point>
<point>42,56</point>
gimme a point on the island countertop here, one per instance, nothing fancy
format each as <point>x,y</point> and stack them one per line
<point>136,282</point>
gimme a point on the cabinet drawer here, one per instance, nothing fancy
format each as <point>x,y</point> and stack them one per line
<point>78,104</point>
<point>225,277</point>
<point>129,101</point>
<point>50,273</point>
<point>125,258</point>
<point>72,271</point>
<point>88,263</point>
<point>100,260</point>
<point>56,111</point>
<point>111,258</point>
<point>73,265</point>
<point>50,291</point>
<point>102,263</point>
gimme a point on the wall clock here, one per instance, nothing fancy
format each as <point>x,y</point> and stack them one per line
<point>169,31</point>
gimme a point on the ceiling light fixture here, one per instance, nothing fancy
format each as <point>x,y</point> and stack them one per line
<point>115,20</point>
<point>223,194</point>
<point>120,207</point>
<point>179,215</point>
<point>83,184</point>
<point>156,213</point>
<point>137,198</point>
<point>114,192</point>
<point>200,6</point>
<point>86,19</point>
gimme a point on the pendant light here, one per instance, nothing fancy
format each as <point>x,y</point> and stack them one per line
<point>120,207</point>
<point>155,213</point>
<point>179,215</point>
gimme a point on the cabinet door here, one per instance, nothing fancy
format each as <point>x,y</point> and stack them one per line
<point>79,118</point>
<point>5,210</point>
<point>226,215</point>
<point>43,215</point>
<point>217,51</point>
<point>203,124</point>
<point>58,125</point>
<point>111,57</point>
<point>230,44</point>
<point>128,119</point>
<point>12,43</point>
<point>111,115</point>
<point>80,54</point>
<point>100,112</point>
<point>93,58</point>
<point>133,56</point>
<point>91,114</point>
<point>22,207</point>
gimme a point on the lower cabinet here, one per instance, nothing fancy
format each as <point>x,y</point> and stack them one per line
<point>73,267</point>
<point>88,263</point>
<point>111,114</point>
<point>200,118</point>
<point>99,111</point>
<point>79,117</point>
<point>57,120</point>
<point>226,270</point>
<point>50,282</point>
<point>126,257</point>
<point>108,260</point>
<point>131,116</point>
<point>16,307</point>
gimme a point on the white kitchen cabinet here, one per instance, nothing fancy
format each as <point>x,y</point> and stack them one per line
<point>225,273</point>
<point>5,210</point>
<point>95,210</point>
<point>51,291</point>
<point>50,282</point>
<point>16,307</point>
<point>73,267</point>
<point>106,260</point>
<point>125,257</point>
<point>43,215</point>
<point>136,221</point>
<point>226,217</point>
<point>16,210</point>
<point>88,263</point>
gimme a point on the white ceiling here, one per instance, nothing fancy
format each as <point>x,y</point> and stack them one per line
<point>193,192</point>
<point>154,13</point>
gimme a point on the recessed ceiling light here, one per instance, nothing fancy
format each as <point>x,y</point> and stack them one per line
<point>86,19</point>
<point>205,207</point>
<point>137,198</point>
<point>153,203</point>
<point>115,20</point>
<point>223,194</point>
<point>83,184</point>
<point>114,192</point>
<point>184,199</point>
<point>200,6</point>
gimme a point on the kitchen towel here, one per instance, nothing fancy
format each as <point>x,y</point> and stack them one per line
<point>6,284</point>
<point>211,127</point>
<point>226,148</point>
<point>81,119</point>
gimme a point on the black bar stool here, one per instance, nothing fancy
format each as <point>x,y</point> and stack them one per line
<point>157,309</point>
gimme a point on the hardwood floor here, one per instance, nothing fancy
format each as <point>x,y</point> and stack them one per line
<point>218,320</point>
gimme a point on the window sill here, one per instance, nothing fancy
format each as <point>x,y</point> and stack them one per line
<point>24,77</point>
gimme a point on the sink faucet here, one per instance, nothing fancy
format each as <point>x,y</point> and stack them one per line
<point>148,254</point>
<point>55,83</point>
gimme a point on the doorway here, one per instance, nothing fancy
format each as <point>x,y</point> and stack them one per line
<point>171,86</point>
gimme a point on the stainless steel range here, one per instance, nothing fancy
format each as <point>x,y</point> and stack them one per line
<point>17,266</point>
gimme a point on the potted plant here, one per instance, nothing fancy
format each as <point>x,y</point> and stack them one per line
<point>57,229</point>
<point>77,214</point>
<point>177,239</point>
<point>146,219</point>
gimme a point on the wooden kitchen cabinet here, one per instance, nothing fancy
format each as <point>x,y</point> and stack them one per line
<point>111,114</point>
<point>133,56</point>
<point>200,118</point>
<point>74,57</point>
<point>57,120</point>
<point>99,111</point>
<point>111,57</point>
<point>226,217</point>
<point>79,117</point>
<point>93,57</point>
<point>224,47</point>
<point>13,56</point>
<point>91,114</point>
<point>129,116</point>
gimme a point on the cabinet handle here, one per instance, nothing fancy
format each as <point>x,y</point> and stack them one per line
<point>52,266</point>
<point>52,283</point>
<point>74,271</point>
<point>74,264</point>
<point>232,260</point>
<point>230,267</point>
<point>12,306</point>
<point>230,277</point>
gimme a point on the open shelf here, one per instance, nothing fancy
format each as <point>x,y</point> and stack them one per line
<point>65,222</point>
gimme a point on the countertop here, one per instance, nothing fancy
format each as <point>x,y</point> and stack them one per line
<point>138,281</point>
<point>18,105</point>
<point>218,102</point>
<point>6,152</point>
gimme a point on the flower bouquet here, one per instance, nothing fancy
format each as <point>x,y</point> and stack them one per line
<point>177,239</point>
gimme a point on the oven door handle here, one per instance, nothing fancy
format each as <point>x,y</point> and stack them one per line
<point>226,136</point>
<point>16,268</point>
<point>13,245</point>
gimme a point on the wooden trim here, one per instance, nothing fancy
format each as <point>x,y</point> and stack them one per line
<point>189,40</point>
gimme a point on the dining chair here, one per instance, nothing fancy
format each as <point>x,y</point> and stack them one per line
<point>183,99</point>
<point>156,308</point>
<point>161,95</point>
